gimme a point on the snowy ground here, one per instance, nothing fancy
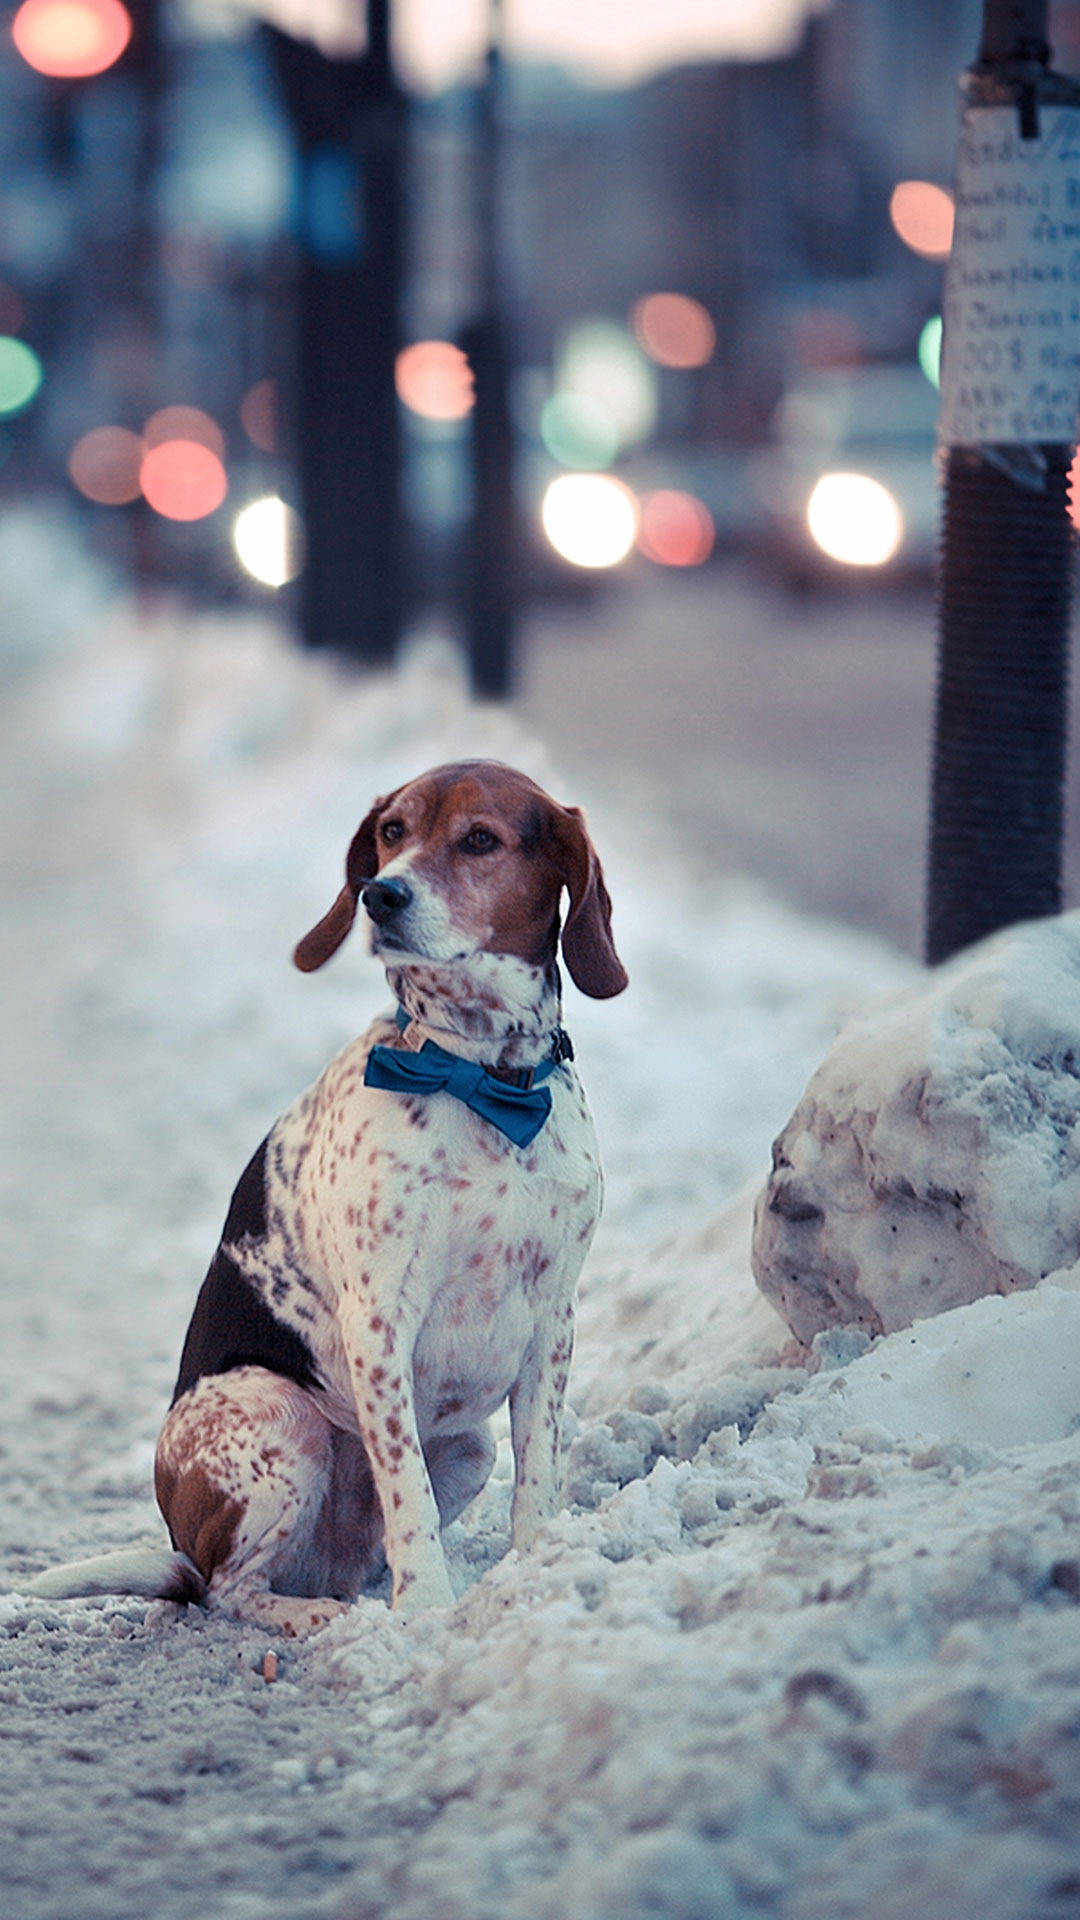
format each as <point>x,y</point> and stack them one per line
<point>805,1643</point>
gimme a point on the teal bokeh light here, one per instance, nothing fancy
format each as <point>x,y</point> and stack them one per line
<point>579,431</point>
<point>930,350</point>
<point>21,374</point>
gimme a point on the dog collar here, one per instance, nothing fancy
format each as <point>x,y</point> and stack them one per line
<point>518,1107</point>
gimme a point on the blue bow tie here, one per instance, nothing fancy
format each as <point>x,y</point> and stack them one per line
<point>519,1112</point>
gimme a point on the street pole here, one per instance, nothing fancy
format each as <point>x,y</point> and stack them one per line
<point>1008,427</point>
<point>349,119</point>
<point>491,547</point>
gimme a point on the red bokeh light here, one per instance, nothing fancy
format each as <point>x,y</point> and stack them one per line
<point>923,215</point>
<point>12,309</point>
<point>826,337</point>
<point>104,465</point>
<point>674,330</point>
<point>435,380</point>
<point>71,39</point>
<point>183,480</point>
<point>184,423</point>
<point>676,529</point>
<point>258,415</point>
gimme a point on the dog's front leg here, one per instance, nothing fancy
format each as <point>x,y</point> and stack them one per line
<point>381,1354</point>
<point>536,1404</point>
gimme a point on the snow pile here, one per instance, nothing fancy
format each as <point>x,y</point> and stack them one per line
<point>935,1156</point>
<point>805,1642</point>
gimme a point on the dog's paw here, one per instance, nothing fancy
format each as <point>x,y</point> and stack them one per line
<point>313,1615</point>
<point>297,1618</point>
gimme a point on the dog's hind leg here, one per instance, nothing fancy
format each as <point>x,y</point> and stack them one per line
<point>459,1465</point>
<point>249,1479</point>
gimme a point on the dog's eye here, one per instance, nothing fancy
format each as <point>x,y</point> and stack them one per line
<point>479,840</point>
<point>391,832</point>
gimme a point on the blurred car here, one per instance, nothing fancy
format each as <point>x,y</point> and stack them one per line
<point>848,486</point>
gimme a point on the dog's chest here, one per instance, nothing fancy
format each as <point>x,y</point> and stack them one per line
<point>416,1212</point>
<point>496,1263</point>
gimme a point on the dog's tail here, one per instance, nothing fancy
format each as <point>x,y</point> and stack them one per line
<point>150,1572</point>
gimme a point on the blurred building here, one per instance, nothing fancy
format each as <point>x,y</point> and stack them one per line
<point>761,189</point>
<point>147,243</point>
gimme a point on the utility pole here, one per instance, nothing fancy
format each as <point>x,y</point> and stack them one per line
<point>349,120</point>
<point>1008,424</point>
<point>491,547</point>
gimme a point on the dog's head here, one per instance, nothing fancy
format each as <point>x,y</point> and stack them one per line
<point>472,859</point>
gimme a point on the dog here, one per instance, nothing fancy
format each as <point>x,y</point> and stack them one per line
<point>401,1254</point>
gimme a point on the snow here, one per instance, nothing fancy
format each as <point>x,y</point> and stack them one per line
<point>935,1156</point>
<point>805,1643</point>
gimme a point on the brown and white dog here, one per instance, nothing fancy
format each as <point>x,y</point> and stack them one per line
<point>397,1261</point>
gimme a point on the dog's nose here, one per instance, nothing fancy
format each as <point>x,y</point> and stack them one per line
<point>385,898</point>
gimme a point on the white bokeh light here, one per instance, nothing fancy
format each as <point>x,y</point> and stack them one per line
<point>441,43</point>
<point>855,519</point>
<point>269,540</point>
<point>590,519</point>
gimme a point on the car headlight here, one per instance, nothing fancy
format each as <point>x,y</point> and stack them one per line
<point>590,518</point>
<point>854,519</point>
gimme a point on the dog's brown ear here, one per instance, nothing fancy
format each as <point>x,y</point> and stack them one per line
<point>587,944</point>
<point>361,861</point>
<point>316,947</point>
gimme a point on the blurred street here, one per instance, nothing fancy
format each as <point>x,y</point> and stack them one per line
<point>785,737</point>
<point>534,326</point>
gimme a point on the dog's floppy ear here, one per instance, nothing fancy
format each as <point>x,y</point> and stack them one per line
<point>361,861</point>
<point>588,948</point>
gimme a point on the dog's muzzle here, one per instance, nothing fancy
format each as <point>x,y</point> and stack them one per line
<point>386,900</point>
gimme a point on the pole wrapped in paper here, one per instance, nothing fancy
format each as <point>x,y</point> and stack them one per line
<point>1011,363</point>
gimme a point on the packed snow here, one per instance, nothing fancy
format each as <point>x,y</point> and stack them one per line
<point>805,1641</point>
<point>935,1156</point>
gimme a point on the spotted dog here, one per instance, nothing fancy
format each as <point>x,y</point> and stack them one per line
<point>400,1256</point>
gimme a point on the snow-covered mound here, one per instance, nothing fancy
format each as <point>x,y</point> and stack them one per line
<point>935,1156</point>
<point>805,1644</point>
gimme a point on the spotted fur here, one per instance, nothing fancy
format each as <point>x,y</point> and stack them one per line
<point>393,1268</point>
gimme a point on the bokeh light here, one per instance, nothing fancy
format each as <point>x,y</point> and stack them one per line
<point>578,431</point>
<point>676,530</point>
<point>269,540</point>
<point>71,39</point>
<point>184,423</point>
<point>192,257</point>
<point>590,518</point>
<point>183,480</point>
<point>826,337</point>
<point>105,465</point>
<point>441,46</point>
<point>923,217</point>
<point>855,519</point>
<point>21,374</point>
<point>434,379</point>
<point>929,349</point>
<point>674,330</point>
<point>258,415</point>
<point>12,309</point>
<point>601,362</point>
